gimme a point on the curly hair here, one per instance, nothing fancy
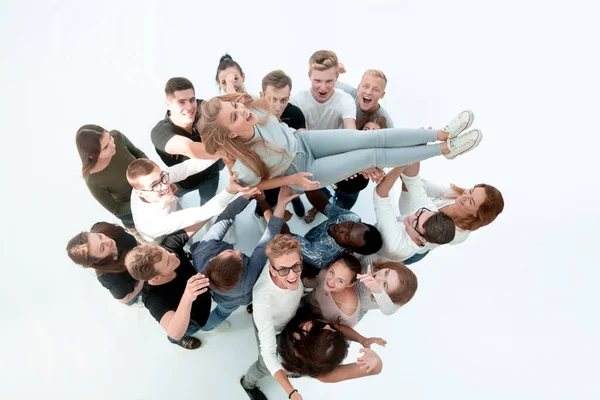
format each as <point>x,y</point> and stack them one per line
<point>141,260</point>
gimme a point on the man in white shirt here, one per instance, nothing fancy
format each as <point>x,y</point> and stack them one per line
<point>156,211</point>
<point>275,298</point>
<point>402,240</point>
<point>324,106</point>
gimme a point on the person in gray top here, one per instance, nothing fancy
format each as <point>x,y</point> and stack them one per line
<point>370,90</point>
<point>231,273</point>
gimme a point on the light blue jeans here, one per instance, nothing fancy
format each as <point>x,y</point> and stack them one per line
<point>334,155</point>
<point>218,315</point>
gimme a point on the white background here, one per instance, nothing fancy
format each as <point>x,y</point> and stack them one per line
<point>511,313</point>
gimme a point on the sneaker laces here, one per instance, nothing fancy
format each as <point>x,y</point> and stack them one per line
<point>461,142</point>
<point>188,343</point>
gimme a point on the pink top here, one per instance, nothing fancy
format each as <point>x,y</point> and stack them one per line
<point>323,303</point>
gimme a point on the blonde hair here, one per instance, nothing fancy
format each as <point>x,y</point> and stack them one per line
<point>377,74</point>
<point>216,137</point>
<point>322,60</point>
<point>282,244</point>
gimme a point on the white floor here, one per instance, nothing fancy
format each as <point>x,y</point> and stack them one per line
<point>511,313</point>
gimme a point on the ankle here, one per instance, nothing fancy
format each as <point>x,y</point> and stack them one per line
<point>442,135</point>
<point>444,148</point>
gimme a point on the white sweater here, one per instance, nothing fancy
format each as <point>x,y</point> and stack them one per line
<point>435,193</point>
<point>154,221</point>
<point>397,244</point>
<point>273,307</point>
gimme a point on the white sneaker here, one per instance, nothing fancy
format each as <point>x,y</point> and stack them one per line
<point>261,222</point>
<point>464,143</point>
<point>461,122</point>
<point>222,327</point>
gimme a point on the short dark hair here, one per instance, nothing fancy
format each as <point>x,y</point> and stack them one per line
<point>140,261</point>
<point>373,241</point>
<point>176,84</point>
<point>224,273</point>
<point>225,62</point>
<point>278,79</point>
<point>439,229</point>
<point>137,168</point>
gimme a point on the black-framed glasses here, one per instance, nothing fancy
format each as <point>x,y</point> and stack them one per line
<point>415,224</point>
<point>285,271</point>
<point>156,187</point>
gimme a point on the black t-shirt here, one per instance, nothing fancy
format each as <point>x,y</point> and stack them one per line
<point>293,117</point>
<point>120,284</point>
<point>160,299</point>
<point>163,132</point>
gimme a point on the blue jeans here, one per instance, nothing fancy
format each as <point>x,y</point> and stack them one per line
<point>208,188</point>
<point>192,328</point>
<point>334,155</point>
<point>341,199</point>
<point>218,315</point>
<point>415,258</point>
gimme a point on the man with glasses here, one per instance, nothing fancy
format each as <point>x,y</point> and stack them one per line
<point>276,296</point>
<point>231,273</point>
<point>406,241</point>
<point>156,211</point>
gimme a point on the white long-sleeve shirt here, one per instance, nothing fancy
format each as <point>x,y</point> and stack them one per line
<point>272,308</point>
<point>436,193</point>
<point>397,244</point>
<point>156,220</point>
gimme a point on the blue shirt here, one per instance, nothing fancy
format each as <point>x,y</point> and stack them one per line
<point>212,244</point>
<point>318,247</point>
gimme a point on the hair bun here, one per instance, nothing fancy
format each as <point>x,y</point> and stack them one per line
<point>225,58</point>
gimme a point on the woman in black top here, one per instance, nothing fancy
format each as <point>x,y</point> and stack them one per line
<point>104,248</point>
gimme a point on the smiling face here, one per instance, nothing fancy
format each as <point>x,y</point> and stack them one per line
<point>290,281</point>
<point>277,99</point>
<point>101,246</point>
<point>237,119</point>
<point>388,279</point>
<point>414,225</point>
<point>470,200</point>
<point>107,147</point>
<point>182,107</point>
<point>350,235</point>
<point>370,90</point>
<point>322,83</point>
<point>238,82</point>
<point>338,277</point>
<point>152,188</point>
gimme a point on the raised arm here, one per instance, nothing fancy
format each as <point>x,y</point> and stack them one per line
<point>318,200</point>
<point>186,147</point>
<point>189,167</point>
<point>225,220</point>
<point>369,364</point>
<point>383,189</point>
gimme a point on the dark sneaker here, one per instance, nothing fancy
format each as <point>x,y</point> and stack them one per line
<point>190,343</point>
<point>249,308</point>
<point>254,393</point>
<point>310,215</point>
<point>298,207</point>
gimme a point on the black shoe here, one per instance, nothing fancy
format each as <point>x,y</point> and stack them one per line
<point>190,343</point>
<point>249,308</point>
<point>254,393</point>
<point>298,207</point>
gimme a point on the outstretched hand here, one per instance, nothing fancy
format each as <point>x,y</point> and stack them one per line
<point>369,361</point>
<point>375,174</point>
<point>301,179</point>
<point>235,187</point>
<point>251,192</point>
<point>369,281</point>
<point>373,340</point>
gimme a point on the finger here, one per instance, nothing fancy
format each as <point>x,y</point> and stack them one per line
<point>305,174</point>
<point>199,292</point>
<point>369,270</point>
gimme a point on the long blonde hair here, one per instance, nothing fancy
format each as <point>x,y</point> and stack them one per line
<point>216,137</point>
<point>487,212</point>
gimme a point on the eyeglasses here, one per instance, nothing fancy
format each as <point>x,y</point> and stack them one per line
<point>415,224</point>
<point>157,186</point>
<point>285,271</point>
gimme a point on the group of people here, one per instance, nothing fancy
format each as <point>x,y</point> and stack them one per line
<point>305,293</point>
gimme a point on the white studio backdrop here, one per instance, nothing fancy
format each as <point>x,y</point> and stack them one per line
<point>511,313</point>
